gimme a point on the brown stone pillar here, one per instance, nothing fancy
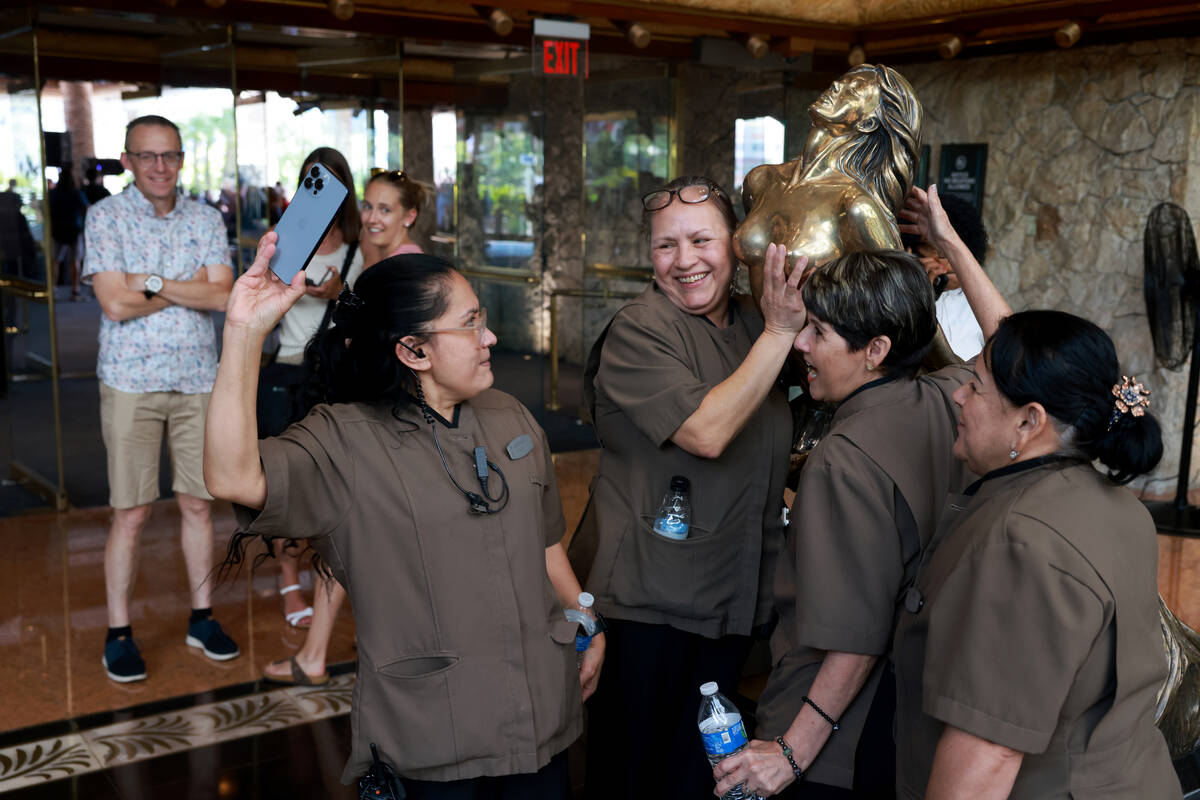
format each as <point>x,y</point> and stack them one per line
<point>706,109</point>
<point>418,163</point>
<point>77,107</point>
<point>563,207</point>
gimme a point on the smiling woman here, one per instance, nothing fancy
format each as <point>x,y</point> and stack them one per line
<point>391,204</point>
<point>683,382</point>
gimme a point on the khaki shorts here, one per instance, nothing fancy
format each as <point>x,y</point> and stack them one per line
<point>132,426</point>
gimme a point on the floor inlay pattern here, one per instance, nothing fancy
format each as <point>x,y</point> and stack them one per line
<point>156,735</point>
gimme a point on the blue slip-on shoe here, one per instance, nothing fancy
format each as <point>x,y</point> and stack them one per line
<point>122,661</point>
<point>206,635</point>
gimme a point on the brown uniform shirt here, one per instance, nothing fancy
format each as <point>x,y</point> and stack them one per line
<point>466,664</point>
<point>1039,631</point>
<point>651,371</point>
<point>869,500</point>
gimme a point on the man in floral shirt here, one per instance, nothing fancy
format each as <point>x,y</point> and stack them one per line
<point>159,264</point>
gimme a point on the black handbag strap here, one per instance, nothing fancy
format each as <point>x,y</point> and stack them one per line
<point>350,251</point>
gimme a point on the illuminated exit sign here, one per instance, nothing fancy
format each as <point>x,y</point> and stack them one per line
<point>560,48</point>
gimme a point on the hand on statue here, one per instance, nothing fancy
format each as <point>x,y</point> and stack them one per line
<point>926,217</point>
<point>782,306</point>
<point>259,299</point>
<point>761,769</point>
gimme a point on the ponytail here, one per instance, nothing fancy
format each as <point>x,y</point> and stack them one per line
<point>354,360</point>
<point>1069,366</point>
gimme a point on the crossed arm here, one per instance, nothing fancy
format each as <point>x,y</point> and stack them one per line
<point>121,297</point>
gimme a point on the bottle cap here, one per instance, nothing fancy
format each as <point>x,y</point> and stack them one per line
<point>586,600</point>
<point>709,689</point>
<point>679,483</point>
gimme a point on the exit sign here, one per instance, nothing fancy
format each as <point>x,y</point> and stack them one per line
<point>560,48</point>
<point>564,57</point>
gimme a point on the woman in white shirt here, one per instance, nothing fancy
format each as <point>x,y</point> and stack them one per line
<point>337,262</point>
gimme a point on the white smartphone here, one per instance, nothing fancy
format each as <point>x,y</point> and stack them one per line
<point>306,221</point>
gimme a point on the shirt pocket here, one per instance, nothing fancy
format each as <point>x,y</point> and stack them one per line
<point>408,705</point>
<point>692,578</point>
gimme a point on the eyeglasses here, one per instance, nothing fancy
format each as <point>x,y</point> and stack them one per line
<point>479,328</point>
<point>696,193</point>
<point>171,158</point>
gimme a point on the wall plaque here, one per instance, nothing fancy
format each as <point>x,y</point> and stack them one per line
<point>963,171</point>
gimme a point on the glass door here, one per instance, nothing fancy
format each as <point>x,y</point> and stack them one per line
<point>32,257</point>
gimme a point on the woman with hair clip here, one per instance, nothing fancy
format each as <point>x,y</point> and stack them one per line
<point>869,499</point>
<point>391,204</point>
<point>1029,653</point>
<point>432,498</point>
<point>337,263</point>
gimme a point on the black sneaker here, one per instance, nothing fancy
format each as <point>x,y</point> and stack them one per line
<point>208,637</point>
<point>122,661</point>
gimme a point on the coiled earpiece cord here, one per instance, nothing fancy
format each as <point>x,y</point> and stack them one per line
<point>480,503</point>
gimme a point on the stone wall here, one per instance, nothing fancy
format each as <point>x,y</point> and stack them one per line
<point>1081,145</point>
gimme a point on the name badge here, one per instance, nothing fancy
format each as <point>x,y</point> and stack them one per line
<point>519,447</point>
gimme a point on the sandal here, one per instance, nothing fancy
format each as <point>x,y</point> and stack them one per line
<point>298,677</point>
<point>297,619</point>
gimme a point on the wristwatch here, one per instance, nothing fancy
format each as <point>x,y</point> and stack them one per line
<point>154,285</point>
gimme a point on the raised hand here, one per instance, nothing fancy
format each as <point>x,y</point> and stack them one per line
<point>782,307</point>
<point>926,217</point>
<point>259,299</point>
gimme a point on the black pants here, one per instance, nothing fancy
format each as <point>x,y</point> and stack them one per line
<point>548,783</point>
<point>642,738</point>
<point>874,759</point>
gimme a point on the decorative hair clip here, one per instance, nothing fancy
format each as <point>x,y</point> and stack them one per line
<point>1132,398</point>
<point>347,308</point>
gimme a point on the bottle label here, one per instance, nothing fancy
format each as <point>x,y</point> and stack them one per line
<point>671,527</point>
<point>582,643</point>
<point>722,743</point>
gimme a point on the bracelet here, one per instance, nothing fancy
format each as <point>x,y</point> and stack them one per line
<point>787,753</point>
<point>824,716</point>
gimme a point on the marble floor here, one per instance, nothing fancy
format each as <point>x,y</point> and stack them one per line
<point>68,731</point>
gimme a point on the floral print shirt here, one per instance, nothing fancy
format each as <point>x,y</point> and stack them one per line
<point>175,349</point>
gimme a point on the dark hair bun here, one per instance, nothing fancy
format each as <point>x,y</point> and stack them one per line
<point>1132,447</point>
<point>1069,366</point>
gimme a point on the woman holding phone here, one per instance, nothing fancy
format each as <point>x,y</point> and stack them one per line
<point>461,690</point>
<point>338,262</point>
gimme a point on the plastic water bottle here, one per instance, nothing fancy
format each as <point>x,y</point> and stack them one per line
<point>675,514</point>
<point>723,733</point>
<point>587,624</point>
